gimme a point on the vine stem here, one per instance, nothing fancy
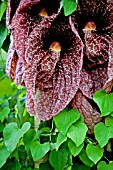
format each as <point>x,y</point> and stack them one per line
<point>36,126</point>
<point>106,158</point>
<point>36,122</point>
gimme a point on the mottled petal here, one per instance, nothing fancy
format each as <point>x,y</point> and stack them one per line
<point>35,56</point>
<point>96,49</point>
<point>90,114</point>
<point>30,103</point>
<point>93,80</point>
<point>66,79</point>
<point>11,9</point>
<point>26,19</point>
<point>19,73</point>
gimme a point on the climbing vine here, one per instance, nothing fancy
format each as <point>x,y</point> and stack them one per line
<point>62,143</point>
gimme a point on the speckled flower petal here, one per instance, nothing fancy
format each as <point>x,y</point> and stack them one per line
<point>96,49</point>
<point>88,111</point>
<point>36,56</point>
<point>66,79</point>
<point>98,43</point>
<point>26,19</point>
<point>99,52</point>
<point>11,9</point>
<point>93,80</point>
<point>109,83</point>
<point>60,89</point>
<point>19,73</point>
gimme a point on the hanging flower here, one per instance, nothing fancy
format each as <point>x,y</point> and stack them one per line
<point>55,59</point>
<point>94,21</point>
<point>65,59</point>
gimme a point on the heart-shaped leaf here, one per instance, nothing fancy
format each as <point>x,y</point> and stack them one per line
<point>84,158</point>
<point>77,133</point>
<point>104,101</point>
<point>4,155</point>
<point>58,159</point>
<point>74,149</point>
<point>60,139</point>
<point>103,165</point>
<point>4,113</point>
<point>69,6</point>
<point>39,150</point>
<point>28,138</point>
<point>101,134</point>
<point>12,134</point>
<point>94,153</point>
<point>65,119</point>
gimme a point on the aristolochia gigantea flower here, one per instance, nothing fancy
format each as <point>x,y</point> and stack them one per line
<point>66,59</point>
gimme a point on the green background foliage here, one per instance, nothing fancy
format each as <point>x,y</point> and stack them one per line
<point>59,144</point>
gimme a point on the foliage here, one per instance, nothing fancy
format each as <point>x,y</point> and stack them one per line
<point>69,6</point>
<point>59,144</point>
<point>4,34</point>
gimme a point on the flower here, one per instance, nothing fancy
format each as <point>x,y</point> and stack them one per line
<point>63,60</point>
<point>94,21</point>
<point>56,73</point>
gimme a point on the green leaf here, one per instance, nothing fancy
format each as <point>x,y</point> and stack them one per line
<point>110,131</point>
<point>3,32</point>
<point>65,119</point>
<point>3,99</point>
<point>84,158</point>
<point>104,101</point>
<point>39,150</point>
<point>69,6</point>
<point>6,87</point>
<point>111,114</point>
<point>27,139</point>
<point>3,6</point>
<point>104,166</point>
<point>12,134</point>
<point>77,133</point>
<point>58,159</point>
<point>4,154</point>
<point>4,113</point>
<point>2,60</point>
<point>109,121</point>
<point>1,126</point>
<point>60,139</point>
<point>94,153</point>
<point>101,134</point>
<point>74,149</point>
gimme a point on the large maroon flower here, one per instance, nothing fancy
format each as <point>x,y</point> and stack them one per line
<point>64,59</point>
<point>94,21</point>
<point>55,73</point>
